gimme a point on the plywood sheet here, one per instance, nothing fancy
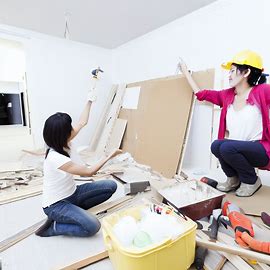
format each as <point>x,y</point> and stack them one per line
<point>110,120</point>
<point>117,134</point>
<point>254,205</point>
<point>155,133</point>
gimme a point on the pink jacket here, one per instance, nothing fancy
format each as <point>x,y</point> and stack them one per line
<point>259,96</point>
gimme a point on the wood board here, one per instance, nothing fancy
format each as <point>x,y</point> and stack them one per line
<point>254,205</point>
<point>156,130</point>
<point>87,261</point>
<point>9,242</point>
<point>110,120</point>
<point>101,124</point>
<point>117,135</point>
<point>16,193</point>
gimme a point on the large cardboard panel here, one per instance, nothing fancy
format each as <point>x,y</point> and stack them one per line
<point>155,133</point>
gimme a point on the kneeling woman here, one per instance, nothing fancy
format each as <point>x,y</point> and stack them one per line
<point>63,202</point>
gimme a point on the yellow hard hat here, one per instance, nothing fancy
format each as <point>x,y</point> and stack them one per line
<point>246,57</point>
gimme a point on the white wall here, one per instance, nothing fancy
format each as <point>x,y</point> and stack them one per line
<point>204,39</point>
<point>58,70</point>
<point>12,64</point>
<point>59,77</point>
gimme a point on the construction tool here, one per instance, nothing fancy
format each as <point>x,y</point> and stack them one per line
<point>242,225</point>
<point>92,94</point>
<point>136,187</point>
<point>214,224</point>
<point>200,255</point>
<point>133,187</point>
<point>209,181</point>
<point>96,71</point>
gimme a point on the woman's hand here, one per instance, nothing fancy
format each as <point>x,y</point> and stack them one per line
<point>183,67</point>
<point>115,153</point>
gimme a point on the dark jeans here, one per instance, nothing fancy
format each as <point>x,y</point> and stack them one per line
<point>239,158</point>
<point>69,214</point>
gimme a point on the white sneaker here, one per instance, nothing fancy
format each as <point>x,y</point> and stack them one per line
<point>231,183</point>
<point>246,190</point>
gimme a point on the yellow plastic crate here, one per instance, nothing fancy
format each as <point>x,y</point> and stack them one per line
<point>175,254</point>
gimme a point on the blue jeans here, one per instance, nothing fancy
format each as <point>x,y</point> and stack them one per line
<point>239,158</point>
<point>69,215</point>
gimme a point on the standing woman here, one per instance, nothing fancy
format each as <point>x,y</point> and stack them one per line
<point>244,133</point>
<point>63,202</point>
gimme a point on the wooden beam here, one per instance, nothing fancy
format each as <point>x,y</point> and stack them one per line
<point>214,260</point>
<point>7,243</point>
<point>108,205</point>
<point>234,250</point>
<point>87,261</point>
<point>110,120</point>
<point>117,135</point>
<point>264,266</point>
<point>101,123</point>
<point>230,241</point>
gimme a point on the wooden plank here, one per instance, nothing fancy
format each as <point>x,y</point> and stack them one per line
<point>102,121</point>
<point>109,205</point>
<point>117,135</point>
<point>229,266</point>
<point>7,243</point>
<point>87,261</point>
<point>230,241</point>
<point>234,250</point>
<point>264,266</point>
<point>184,146</point>
<point>224,238</point>
<point>110,120</point>
<point>214,260</point>
<point>23,195</point>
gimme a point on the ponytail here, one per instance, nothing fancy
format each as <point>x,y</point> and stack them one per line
<point>263,78</point>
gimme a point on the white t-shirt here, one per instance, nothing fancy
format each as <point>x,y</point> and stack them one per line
<point>245,124</point>
<point>57,184</point>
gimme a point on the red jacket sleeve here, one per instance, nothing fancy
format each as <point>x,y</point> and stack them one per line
<point>213,96</point>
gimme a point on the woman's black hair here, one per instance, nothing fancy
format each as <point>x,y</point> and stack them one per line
<point>256,75</point>
<point>56,132</point>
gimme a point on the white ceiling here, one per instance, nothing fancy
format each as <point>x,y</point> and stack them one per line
<point>105,23</point>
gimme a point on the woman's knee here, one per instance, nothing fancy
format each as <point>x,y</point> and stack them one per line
<point>215,147</point>
<point>112,185</point>
<point>92,228</point>
<point>226,149</point>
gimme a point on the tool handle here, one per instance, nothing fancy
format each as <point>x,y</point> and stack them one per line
<point>211,182</point>
<point>200,255</point>
<point>213,230</point>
